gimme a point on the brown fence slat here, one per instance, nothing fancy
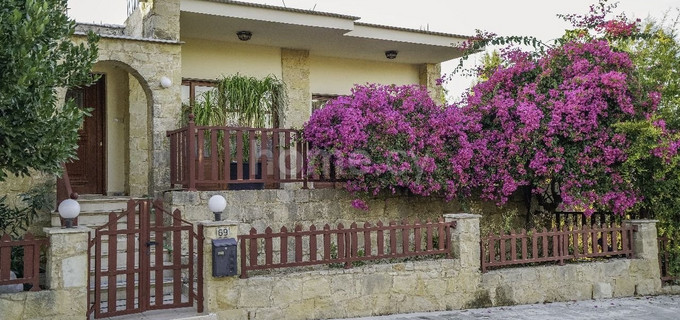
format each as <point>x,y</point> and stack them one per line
<point>144,270</point>
<point>340,245</point>
<point>554,245</point>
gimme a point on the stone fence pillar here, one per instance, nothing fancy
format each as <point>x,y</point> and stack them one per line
<point>646,249</point>
<point>645,239</point>
<point>465,239</point>
<point>67,272</point>
<point>217,291</point>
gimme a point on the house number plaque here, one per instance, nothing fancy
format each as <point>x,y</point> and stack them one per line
<point>222,232</point>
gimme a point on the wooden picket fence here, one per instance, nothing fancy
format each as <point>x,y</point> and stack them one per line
<point>31,260</point>
<point>556,245</point>
<point>343,246</point>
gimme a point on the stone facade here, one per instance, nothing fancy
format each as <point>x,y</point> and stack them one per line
<point>283,207</point>
<point>295,74</point>
<point>147,61</point>
<point>429,73</point>
<point>425,285</point>
<point>66,297</point>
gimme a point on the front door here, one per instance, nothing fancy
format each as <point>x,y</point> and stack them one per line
<point>87,172</point>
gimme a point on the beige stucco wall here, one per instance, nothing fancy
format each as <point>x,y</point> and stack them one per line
<point>338,76</point>
<point>116,115</point>
<point>204,59</point>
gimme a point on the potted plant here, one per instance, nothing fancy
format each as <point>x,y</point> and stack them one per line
<point>252,103</point>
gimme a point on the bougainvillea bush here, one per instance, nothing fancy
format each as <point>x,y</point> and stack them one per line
<point>549,122</point>
<point>554,121</point>
<point>386,138</point>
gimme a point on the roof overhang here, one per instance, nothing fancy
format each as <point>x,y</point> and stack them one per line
<point>323,34</point>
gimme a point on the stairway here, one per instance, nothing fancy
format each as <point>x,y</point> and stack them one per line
<point>95,209</point>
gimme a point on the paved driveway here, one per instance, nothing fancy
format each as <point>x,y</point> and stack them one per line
<point>639,308</point>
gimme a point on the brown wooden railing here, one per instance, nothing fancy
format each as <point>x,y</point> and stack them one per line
<point>271,250</point>
<point>556,245</point>
<point>65,191</point>
<point>227,156</point>
<point>665,260</point>
<point>578,219</point>
<point>31,270</point>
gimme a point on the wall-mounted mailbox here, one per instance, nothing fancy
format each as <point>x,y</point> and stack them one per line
<point>224,257</point>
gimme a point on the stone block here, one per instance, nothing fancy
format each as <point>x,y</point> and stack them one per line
<point>648,287</point>
<point>405,284</point>
<point>232,314</point>
<point>286,291</point>
<point>602,290</point>
<point>316,288</point>
<point>254,296</point>
<point>624,287</point>
<point>377,284</point>
<point>505,295</point>
<point>11,308</point>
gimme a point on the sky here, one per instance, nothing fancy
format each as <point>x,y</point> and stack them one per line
<point>504,17</point>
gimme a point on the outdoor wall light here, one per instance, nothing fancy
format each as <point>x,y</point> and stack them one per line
<point>216,204</point>
<point>391,54</point>
<point>166,82</point>
<point>69,209</point>
<point>244,35</point>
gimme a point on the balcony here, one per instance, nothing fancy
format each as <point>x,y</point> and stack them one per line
<point>237,158</point>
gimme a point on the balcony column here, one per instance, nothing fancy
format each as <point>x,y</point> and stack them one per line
<point>295,74</point>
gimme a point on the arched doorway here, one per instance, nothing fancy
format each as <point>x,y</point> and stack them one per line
<point>113,152</point>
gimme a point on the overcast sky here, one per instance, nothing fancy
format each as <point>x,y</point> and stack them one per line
<point>504,17</point>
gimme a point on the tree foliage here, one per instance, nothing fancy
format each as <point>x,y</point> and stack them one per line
<point>37,56</point>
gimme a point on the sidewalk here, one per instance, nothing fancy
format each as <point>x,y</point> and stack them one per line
<point>641,308</point>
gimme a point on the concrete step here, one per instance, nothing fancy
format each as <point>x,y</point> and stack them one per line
<point>121,289</point>
<point>167,314</point>
<point>94,210</point>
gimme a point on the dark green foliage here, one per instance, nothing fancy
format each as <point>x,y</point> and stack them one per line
<point>15,220</point>
<point>37,56</point>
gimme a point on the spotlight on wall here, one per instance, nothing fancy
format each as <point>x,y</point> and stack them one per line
<point>166,82</point>
<point>244,35</point>
<point>391,54</point>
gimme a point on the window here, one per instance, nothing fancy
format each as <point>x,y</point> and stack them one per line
<point>193,88</point>
<point>320,100</point>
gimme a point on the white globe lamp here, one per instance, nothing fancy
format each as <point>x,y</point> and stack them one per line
<point>217,204</point>
<point>166,82</point>
<point>69,209</point>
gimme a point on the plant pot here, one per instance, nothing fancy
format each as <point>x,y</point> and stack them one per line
<point>246,176</point>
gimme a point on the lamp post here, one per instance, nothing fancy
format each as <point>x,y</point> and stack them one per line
<point>69,209</point>
<point>216,204</point>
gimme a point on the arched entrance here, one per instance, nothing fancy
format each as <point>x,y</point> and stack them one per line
<point>113,152</point>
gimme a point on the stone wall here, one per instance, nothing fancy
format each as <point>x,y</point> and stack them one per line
<point>284,207</point>
<point>424,285</point>
<point>66,297</point>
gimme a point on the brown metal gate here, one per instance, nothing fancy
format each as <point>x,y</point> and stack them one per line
<point>144,259</point>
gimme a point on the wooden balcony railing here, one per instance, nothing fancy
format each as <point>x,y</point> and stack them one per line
<point>221,158</point>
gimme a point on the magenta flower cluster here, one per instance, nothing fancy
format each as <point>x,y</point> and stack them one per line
<point>544,122</point>
<point>385,138</point>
